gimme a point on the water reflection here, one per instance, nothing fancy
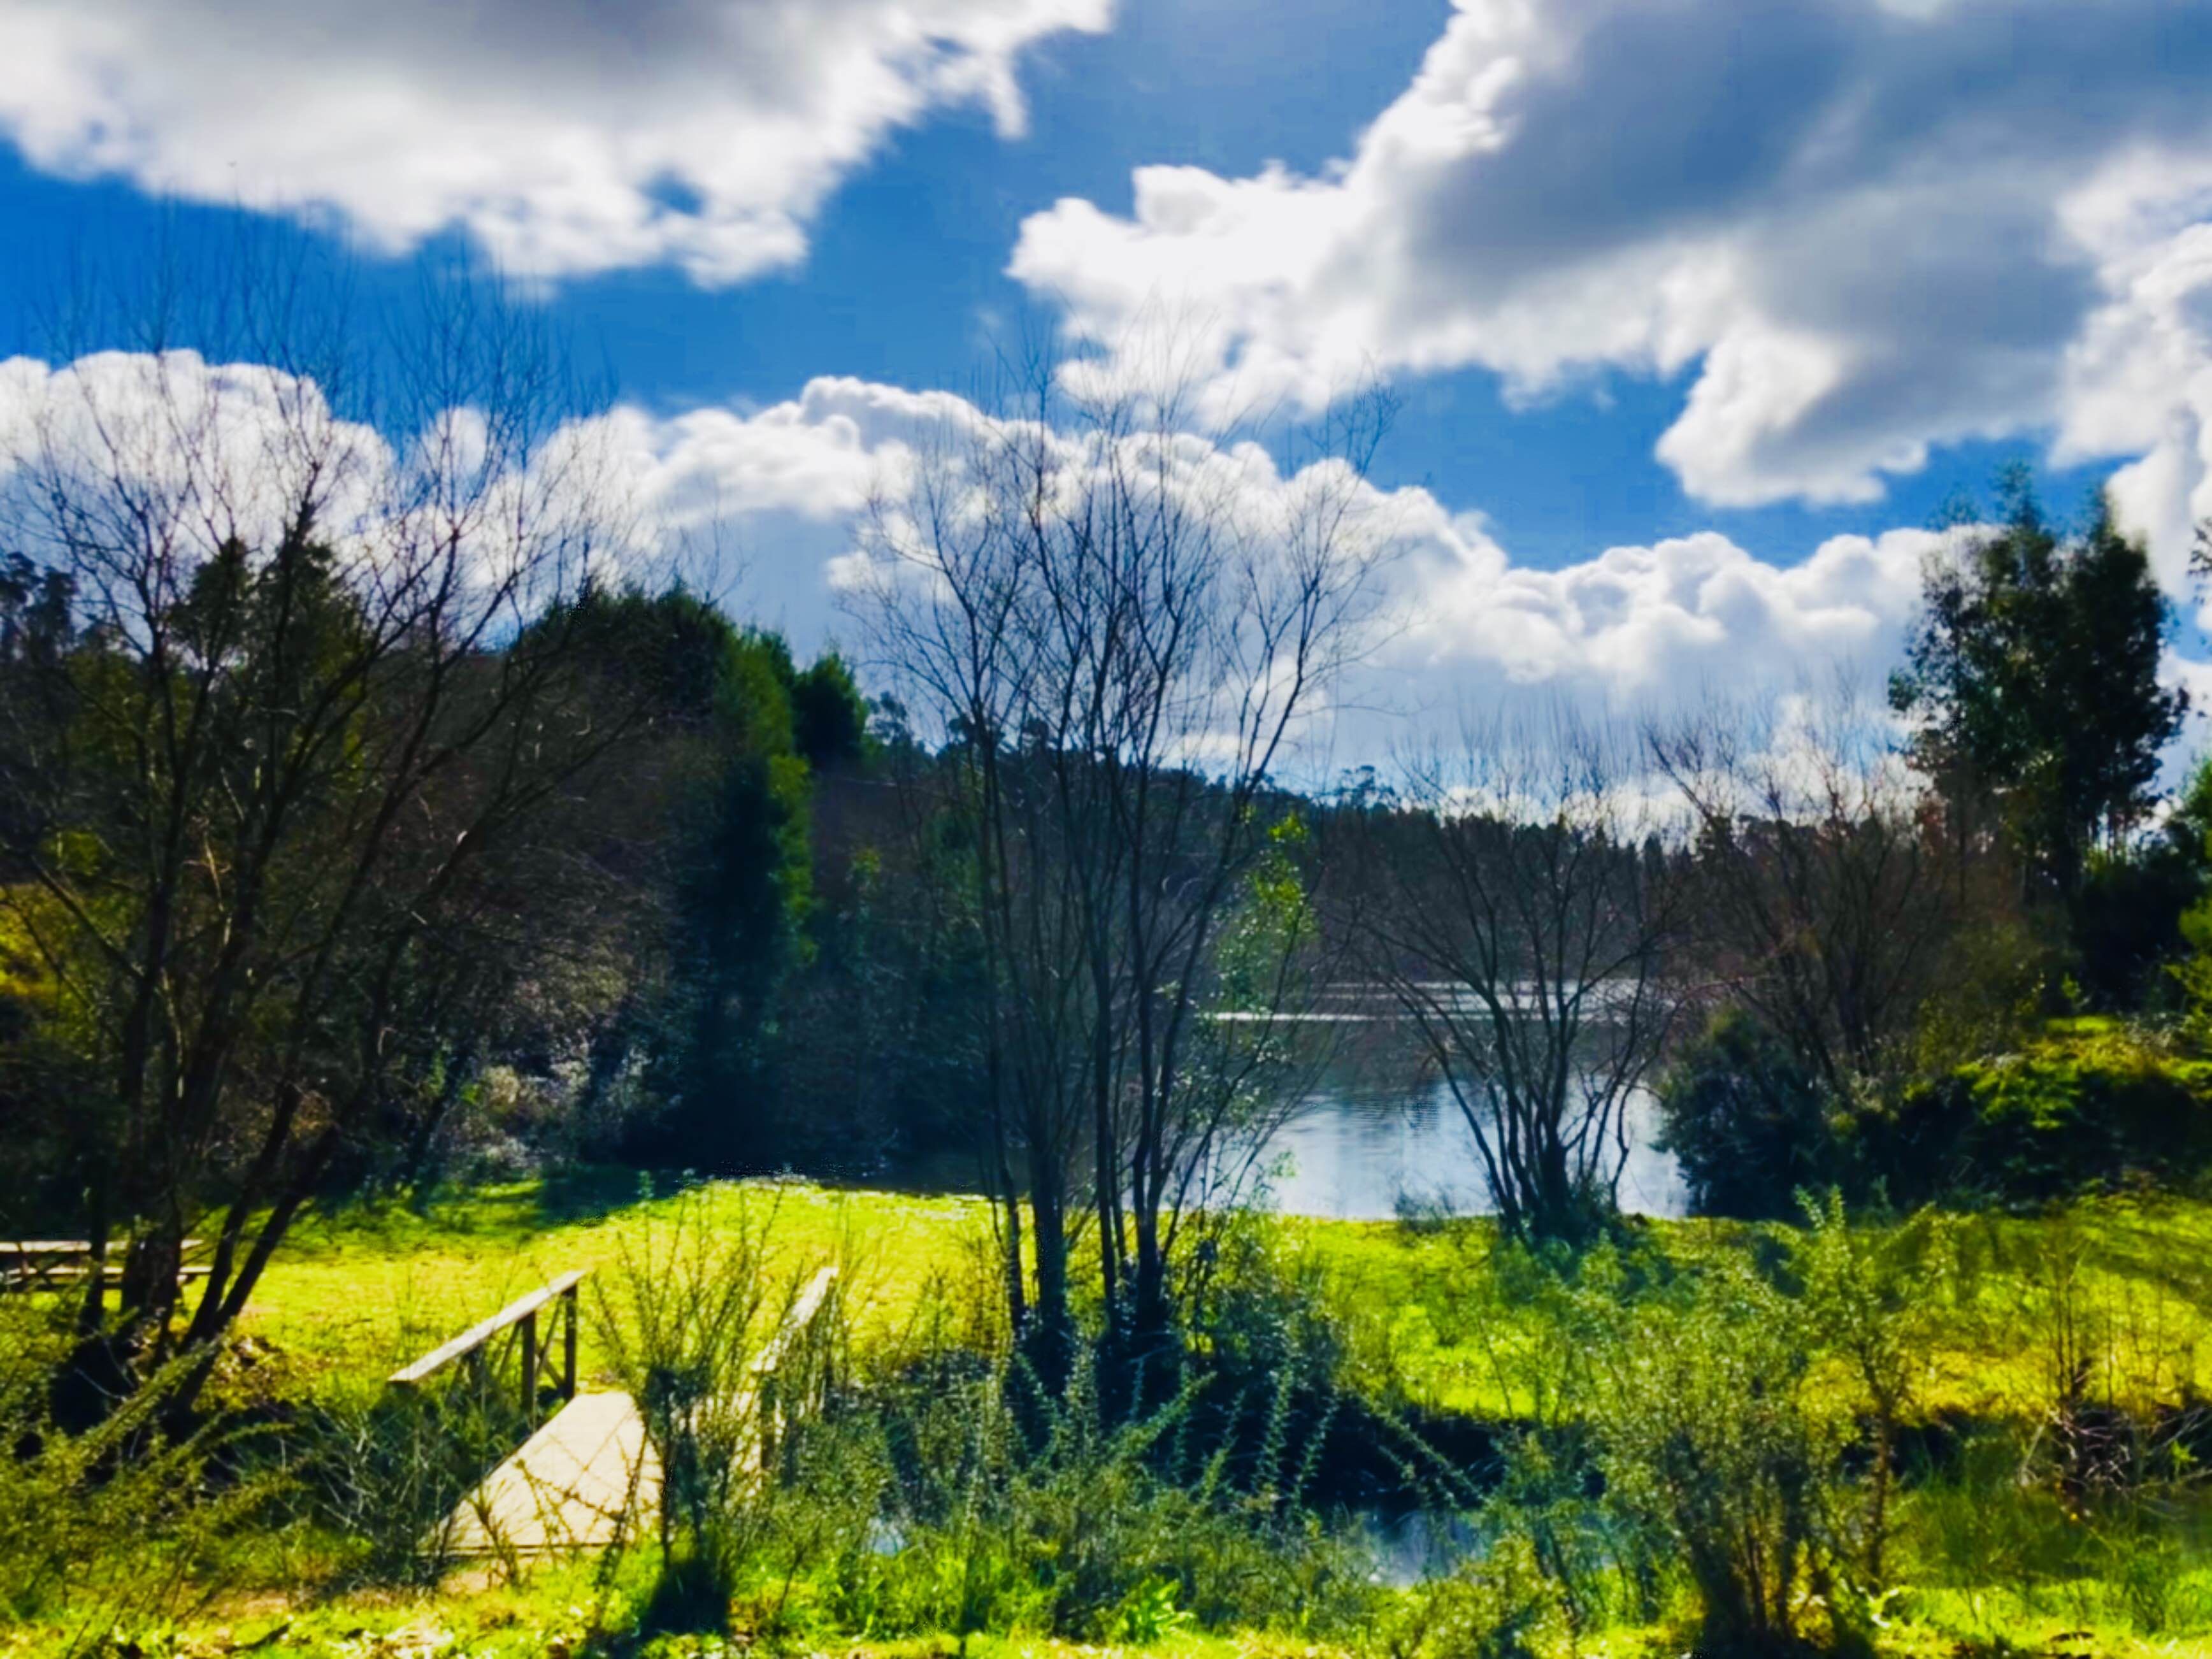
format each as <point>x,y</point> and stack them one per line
<point>1412,1548</point>
<point>1382,1132</point>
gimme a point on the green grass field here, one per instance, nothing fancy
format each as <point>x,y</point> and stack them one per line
<point>2138,1271</point>
<point>358,1291</point>
<point>1435,1315</point>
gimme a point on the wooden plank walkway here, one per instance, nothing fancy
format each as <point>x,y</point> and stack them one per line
<point>569,1486</point>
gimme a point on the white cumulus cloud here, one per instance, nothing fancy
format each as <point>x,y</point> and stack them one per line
<point>1865,227</point>
<point>567,136</point>
<point>1632,628</point>
<point>782,490</point>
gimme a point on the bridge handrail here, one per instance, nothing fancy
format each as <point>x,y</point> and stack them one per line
<point>797,1320</point>
<point>522,1311</point>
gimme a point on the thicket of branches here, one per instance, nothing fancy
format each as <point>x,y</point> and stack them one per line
<point>1118,653</point>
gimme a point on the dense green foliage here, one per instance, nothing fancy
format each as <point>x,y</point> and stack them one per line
<point>1748,1126</point>
<point>2035,676</point>
<point>2087,1102</point>
<point>2082,1103</point>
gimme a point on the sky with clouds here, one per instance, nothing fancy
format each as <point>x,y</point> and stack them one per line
<point>1698,312</point>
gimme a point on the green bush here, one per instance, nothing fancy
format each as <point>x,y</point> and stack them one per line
<point>117,1528</point>
<point>1010,1510</point>
<point>1500,1604</point>
<point>1869,1300</point>
<point>1748,1127</point>
<point>2090,1103</point>
<point>1713,1439</point>
<point>2086,1102</point>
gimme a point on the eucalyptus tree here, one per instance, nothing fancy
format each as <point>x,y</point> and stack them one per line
<point>2032,681</point>
<point>1120,631</point>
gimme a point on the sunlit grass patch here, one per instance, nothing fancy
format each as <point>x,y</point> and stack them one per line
<point>366,1286</point>
<point>359,1289</point>
<point>2130,1276</point>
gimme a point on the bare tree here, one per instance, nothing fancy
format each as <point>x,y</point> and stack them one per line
<point>1121,633</point>
<point>1828,887</point>
<point>322,596</point>
<point>1521,906</point>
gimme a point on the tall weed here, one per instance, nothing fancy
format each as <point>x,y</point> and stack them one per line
<point>386,1472</point>
<point>121,1526</point>
<point>1013,1509</point>
<point>751,1485</point>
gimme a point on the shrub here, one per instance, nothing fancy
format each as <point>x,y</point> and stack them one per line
<point>1014,1510</point>
<point>1747,1125</point>
<point>2087,1103</point>
<point>119,1526</point>
<point>1500,1604</point>
<point>2129,919</point>
<point>742,1500</point>
<point>1268,1368</point>
<point>1868,1298</point>
<point>1711,1438</point>
<point>2084,1103</point>
<point>386,1471</point>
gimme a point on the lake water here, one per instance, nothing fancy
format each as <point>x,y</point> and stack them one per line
<point>1382,1131</point>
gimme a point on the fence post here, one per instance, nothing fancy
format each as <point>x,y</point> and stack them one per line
<point>568,1345</point>
<point>764,1404</point>
<point>530,1368</point>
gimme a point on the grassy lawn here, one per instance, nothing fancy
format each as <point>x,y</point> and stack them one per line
<point>359,1290</point>
<point>2131,1277</point>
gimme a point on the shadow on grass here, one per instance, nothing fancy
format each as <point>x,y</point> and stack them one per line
<point>512,1211</point>
<point>594,1192</point>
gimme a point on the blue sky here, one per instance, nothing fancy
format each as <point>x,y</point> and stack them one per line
<point>1708,283</point>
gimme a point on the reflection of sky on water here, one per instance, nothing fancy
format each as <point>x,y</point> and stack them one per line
<point>1383,1126</point>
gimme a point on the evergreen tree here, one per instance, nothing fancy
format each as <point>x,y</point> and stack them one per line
<point>828,715</point>
<point>2033,678</point>
<point>749,729</point>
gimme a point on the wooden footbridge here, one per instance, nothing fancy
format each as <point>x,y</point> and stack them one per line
<point>588,1476</point>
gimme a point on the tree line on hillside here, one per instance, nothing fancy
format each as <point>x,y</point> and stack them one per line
<point>367,821</point>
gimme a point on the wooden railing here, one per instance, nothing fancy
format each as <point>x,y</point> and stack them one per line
<point>63,1264</point>
<point>771,1387</point>
<point>771,1396</point>
<point>521,1315</point>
